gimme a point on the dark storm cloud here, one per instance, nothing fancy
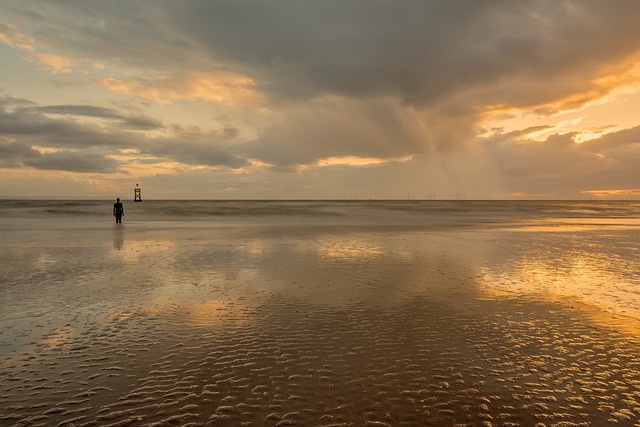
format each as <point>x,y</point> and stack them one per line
<point>447,60</point>
<point>561,166</point>
<point>14,155</point>
<point>72,161</point>
<point>200,152</point>
<point>121,33</point>
<point>366,78</point>
<point>418,50</point>
<point>130,122</point>
<point>529,52</point>
<point>337,128</point>
<point>82,147</point>
<point>31,123</point>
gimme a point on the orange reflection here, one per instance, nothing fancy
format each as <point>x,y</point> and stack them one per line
<point>213,312</point>
<point>57,338</point>
<point>132,251</point>
<point>577,224</point>
<point>352,249</point>
<point>596,284</point>
<point>44,261</point>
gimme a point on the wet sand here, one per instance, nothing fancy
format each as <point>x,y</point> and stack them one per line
<point>363,328</point>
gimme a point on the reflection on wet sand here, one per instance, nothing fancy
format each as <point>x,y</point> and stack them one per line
<point>579,268</point>
<point>372,329</point>
<point>573,224</point>
<point>118,237</point>
<point>348,249</point>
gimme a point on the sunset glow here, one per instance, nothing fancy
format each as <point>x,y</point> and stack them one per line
<point>537,99</point>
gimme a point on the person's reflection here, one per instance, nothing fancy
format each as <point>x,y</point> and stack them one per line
<point>118,238</point>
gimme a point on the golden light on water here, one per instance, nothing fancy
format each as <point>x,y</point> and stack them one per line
<point>594,281</point>
<point>348,249</point>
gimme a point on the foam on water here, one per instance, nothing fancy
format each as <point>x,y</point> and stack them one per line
<point>460,213</point>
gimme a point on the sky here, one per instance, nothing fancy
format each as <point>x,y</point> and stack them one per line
<point>320,99</point>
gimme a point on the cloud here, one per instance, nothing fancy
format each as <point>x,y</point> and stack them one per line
<point>418,178</point>
<point>73,161</point>
<point>12,154</point>
<point>336,127</point>
<point>523,53</point>
<point>49,137</point>
<point>15,155</point>
<point>198,152</point>
<point>31,124</point>
<point>626,193</point>
<point>138,122</point>
<point>222,87</point>
<point>353,82</point>
<point>422,52</point>
<point>381,79</point>
<point>561,167</point>
<point>57,64</point>
<point>626,138</point>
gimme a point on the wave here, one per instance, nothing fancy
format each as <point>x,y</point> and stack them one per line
<point>365,212</point>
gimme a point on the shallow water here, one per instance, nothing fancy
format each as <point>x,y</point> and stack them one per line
<point>319,313</point>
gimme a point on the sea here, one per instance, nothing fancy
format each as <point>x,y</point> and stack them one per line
<point>341,214</point>
<point>575,251</point>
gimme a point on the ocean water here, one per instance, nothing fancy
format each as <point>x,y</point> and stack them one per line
<point>52,214</point>
<point>579,250</point>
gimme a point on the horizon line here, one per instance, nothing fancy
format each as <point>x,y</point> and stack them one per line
<point>104,198</point>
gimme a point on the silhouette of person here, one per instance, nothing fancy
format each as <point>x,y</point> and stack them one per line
<point>118,211</point>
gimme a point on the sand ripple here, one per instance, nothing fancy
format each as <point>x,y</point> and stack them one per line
<point>503,363</point>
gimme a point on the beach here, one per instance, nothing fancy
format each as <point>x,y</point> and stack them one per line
<point>344,313</point>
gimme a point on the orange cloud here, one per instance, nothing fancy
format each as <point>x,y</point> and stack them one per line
<point>629,193</point>
<point>609,81</point>
<point>615,76</point>
<point>223,87</point>
<point>56,63</point>
<point>358,161</point>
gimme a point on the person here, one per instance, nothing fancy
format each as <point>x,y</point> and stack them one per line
<point>118,211</point>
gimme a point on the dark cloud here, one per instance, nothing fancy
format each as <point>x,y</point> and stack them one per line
<point>614,140</point>
<point>559,166</point>
<point>12,150</point>
<point>201,152</point>
<point>119,33</point>
<point>518,53</point>
<point>82,147</point>
<point>457,54</point>
<point>72,161</point>
<point>366,78</point>
<point>338,127</point>
<point>421,51</point>
<point>32,124</point>
<point>129,122</point>
<point>13,155</point>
